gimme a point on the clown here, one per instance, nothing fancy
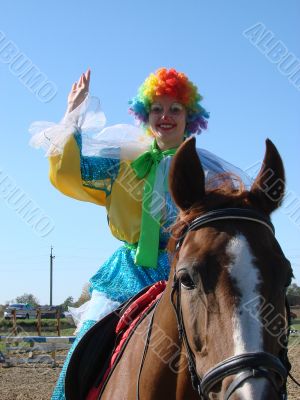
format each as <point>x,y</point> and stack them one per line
<point>125,168</point>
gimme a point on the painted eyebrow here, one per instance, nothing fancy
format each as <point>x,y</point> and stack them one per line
<point>176,103</point>
<point>156,104</point>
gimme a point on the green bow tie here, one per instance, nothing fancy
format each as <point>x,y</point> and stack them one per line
<point>145,166</point>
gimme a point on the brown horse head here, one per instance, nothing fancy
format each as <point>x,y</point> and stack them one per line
<point>231,272</point>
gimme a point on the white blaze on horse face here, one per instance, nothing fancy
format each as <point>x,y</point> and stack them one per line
<point>247,329</point>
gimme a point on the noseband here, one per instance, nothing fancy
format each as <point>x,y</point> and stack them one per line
<point>243,366</point>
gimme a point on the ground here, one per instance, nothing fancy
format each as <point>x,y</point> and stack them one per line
<point>27,383</point>
<point>31,383</point>
<point>293,389</point>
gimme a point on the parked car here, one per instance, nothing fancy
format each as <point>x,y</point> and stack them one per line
<point>50,311</point>
<point>23,310</point>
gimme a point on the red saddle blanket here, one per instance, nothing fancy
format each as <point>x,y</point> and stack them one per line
<point>126,325</point>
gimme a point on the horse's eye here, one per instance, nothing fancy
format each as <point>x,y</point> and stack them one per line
<point>186,281</point>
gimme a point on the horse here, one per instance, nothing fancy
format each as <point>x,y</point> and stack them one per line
<point>219,330</point>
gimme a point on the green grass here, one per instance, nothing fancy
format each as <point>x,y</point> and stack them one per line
<point>296,324</point>
<point>63,332</point>
<point>31,324</point>
<point>2,347</point>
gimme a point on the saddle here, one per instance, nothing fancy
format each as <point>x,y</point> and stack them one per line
<point>99,350</point>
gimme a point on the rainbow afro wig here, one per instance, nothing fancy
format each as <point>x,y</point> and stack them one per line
<point>174,84</point>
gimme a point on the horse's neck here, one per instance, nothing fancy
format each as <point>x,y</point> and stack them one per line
<point>164,322</point>
<point>165,363</point>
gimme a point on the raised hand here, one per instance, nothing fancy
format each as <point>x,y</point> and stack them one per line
<point>79,91</point>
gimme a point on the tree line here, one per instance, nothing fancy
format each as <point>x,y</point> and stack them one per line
<point>29,298</point>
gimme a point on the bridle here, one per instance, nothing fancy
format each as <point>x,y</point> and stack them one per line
<point>243,366</point>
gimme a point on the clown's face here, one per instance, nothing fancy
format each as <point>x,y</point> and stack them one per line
<point>167,121</point>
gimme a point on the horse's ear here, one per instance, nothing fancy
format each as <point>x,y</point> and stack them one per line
<point>269,184</point>
<point>186,179</point>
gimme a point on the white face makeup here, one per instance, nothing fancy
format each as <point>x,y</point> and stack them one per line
<point>167,121</point>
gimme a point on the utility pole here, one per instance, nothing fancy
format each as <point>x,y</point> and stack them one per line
<point>51,275</point>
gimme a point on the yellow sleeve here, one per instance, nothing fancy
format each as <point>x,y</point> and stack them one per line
<point>65,175</point>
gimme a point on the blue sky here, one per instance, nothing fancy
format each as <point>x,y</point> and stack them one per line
<point>248,95</point>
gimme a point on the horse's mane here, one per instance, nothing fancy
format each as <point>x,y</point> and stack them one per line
<point>222,191</point>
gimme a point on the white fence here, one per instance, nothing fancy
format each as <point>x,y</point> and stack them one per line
<point>37,350</point>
